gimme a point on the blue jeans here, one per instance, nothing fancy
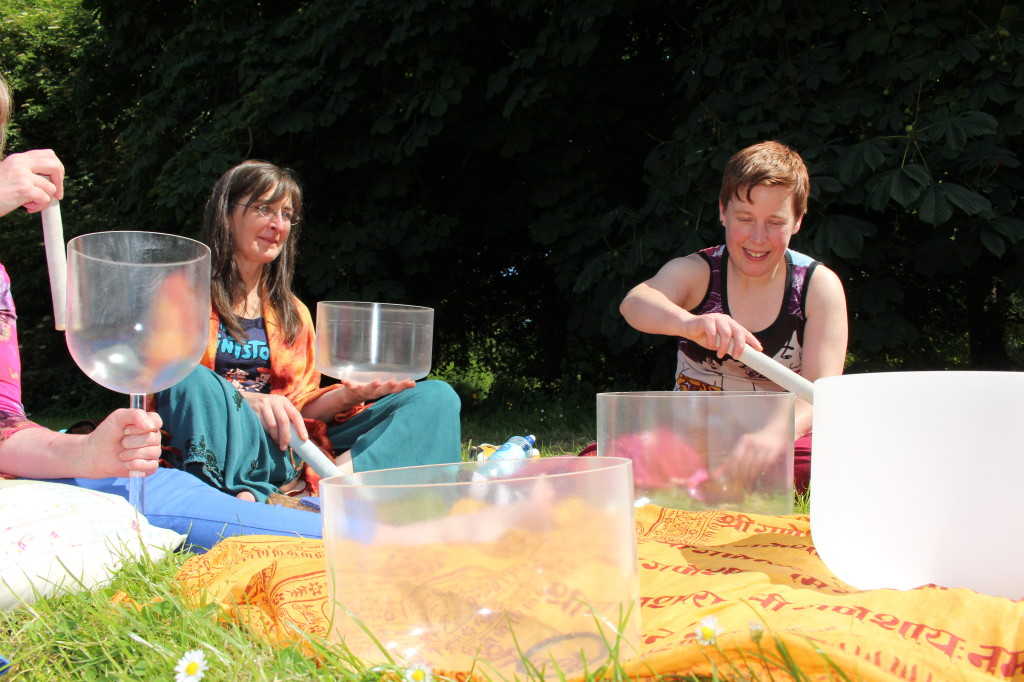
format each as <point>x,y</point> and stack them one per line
<point>180,501</point>
<point>417,426</point>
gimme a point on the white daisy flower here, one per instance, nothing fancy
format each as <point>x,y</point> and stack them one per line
<point>191,667</point>
<point>418,673</point>
<point>708,631</point>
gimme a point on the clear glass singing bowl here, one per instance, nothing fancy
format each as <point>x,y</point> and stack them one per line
<point>362,341</point>
<point>138,311</point>
<point>138,308</point>
<point>681,444</point>
<point>501,567</point>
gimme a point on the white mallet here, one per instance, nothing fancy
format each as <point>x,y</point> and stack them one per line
<point>313,456</point>
<point>56,261</point>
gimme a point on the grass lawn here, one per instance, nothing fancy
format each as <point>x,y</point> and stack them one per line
<point>81,636</point>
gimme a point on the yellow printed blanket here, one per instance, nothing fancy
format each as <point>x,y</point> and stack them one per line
<point>719,592</point>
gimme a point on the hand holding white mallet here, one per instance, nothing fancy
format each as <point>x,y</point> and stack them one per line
<point>313,456</point>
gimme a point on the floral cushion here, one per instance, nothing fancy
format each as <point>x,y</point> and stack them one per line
<point>57,537</point>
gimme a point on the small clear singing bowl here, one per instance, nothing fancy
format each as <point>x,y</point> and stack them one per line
<point>363,341</point>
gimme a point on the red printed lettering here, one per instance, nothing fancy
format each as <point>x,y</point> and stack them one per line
<point>991,662</point>
<point>771,601</point>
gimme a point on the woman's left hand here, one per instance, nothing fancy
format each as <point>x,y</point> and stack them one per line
<point>356,392</point>
<point>754,454</point>
<point>349,394</point>
<point>128,439</point>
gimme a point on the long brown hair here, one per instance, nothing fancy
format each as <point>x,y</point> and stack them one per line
<point>6,106</point>
<point>263,182</point>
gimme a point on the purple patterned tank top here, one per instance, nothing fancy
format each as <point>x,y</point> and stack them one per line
<point>699,369</point>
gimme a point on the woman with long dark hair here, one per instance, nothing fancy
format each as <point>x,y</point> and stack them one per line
<point>128,439</point>
<point>231,426</point>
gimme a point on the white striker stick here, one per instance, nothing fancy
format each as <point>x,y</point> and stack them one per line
<point>56,261</point>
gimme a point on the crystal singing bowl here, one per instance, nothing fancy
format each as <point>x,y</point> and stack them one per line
<point>485,564</point>
<point>916,479</point>
<point>138,308</point>
<point>367,341</point>
<point>681,442</point>
<point>138,314</point>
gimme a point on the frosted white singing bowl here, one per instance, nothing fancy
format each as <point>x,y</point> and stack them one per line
<point>916,478</point>
<point>683,445</point>
<point>366,341</point>
<point>492,566</point>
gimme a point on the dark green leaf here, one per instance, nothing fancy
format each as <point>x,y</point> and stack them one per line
<point>843,235</point>
<point>1011,228</point>
<point>438,104</point>
<point>874,296</point>
<point>935,209</point>
<point>966,200</point>
<point>906,185</point>
<point>867,155</point>
<point>992,241</point>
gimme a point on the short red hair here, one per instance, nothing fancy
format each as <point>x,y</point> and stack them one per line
<point>766,163</point>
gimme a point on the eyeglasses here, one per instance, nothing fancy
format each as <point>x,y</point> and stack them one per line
<point>267,213</point>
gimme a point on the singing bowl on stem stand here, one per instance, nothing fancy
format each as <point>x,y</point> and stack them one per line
<point>138,311</point>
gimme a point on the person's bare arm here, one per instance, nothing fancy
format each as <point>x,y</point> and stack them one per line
<point>349,394</point>
<point>824,354</point>
<point>127,440</point>
<point>661,305</point>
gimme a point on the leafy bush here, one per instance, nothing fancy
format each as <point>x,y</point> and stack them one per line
<point>519,166</point>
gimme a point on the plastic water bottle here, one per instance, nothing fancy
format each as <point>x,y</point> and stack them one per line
<point>516,447</point>
<point>503,463</point>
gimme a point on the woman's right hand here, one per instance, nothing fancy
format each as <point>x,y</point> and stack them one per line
<point>720,333</point>
<point>30,179</point>
<point>277,415</point>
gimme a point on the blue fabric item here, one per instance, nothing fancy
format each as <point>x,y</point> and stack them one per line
<point>312,502</point>
<point>357,520</point>
<point>5,665</point>
<point>180,501</point>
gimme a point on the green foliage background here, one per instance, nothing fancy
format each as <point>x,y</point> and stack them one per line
<point>519,165</point>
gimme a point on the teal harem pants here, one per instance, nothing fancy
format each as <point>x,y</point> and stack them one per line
<point>212,433</point>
